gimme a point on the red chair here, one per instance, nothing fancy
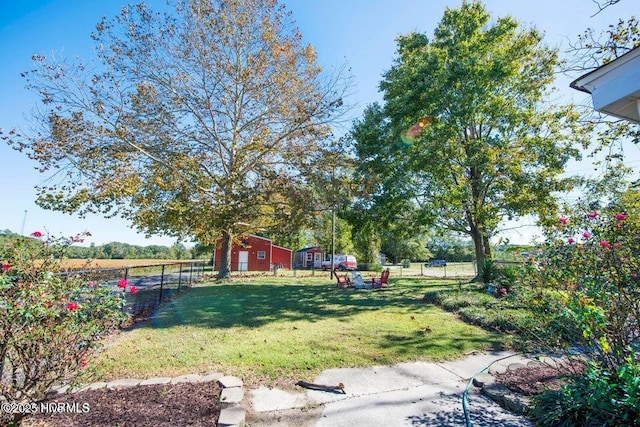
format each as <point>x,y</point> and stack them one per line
<point>343,281</point>
<point>382,281</point>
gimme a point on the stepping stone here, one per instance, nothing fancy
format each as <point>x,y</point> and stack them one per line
<point>517,403</point>
<point>483,379</point>
<point>516,365</point>
<point>59,389</point>
<point>156,381</point>
<point>230,381</point>
<point>126,383</point>
<point>497,369</point>
<point>232,395</point>
<point>233,416</point>
<point>190,378</point>
<point>496,392</point>
<point>211,377</point>
<point>534,364</point>
<point>93,386</point>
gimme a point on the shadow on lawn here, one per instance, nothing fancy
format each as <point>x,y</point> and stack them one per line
<point>252,305</point>
<point>255,305</point>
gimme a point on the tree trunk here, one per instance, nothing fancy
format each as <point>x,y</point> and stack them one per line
<point>487,246</point>
<point>479,251</point>
<point>225,255</point>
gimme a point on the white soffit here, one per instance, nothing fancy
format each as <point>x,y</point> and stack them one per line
<point>615,87</point>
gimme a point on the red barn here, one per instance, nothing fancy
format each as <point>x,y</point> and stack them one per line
<point>254,253</point>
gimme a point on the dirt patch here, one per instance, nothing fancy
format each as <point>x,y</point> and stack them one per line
<point>534,380</point>
<point>169,405</point>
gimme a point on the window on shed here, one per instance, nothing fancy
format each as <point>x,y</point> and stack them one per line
<point>262,254</point>
<point>309,256</point>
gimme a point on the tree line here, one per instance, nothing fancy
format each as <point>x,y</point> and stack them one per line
<point>119,250</point>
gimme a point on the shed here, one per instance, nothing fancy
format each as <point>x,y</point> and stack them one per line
<point>310,257</point>
<point>254,253</point>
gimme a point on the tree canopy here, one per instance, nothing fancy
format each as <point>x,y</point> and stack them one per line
<point>197,123</point>
<point>464,137</point>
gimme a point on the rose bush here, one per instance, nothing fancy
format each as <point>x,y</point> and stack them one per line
<point>586,298</point>
<point>590,272</point>
<point>50,319</point>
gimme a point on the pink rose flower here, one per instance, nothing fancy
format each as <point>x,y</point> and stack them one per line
<point>620,217</point>
<point>5,267</point>
<point>36,234</point>
<point>586,234</point>
<point>571,241</point>
<point>592,214</point>
<point>72,306</point>
<point>605,244</point>
<point>563,220</point>
<point>82,363</point>
<point>133,290</point>
<point>122,283</point>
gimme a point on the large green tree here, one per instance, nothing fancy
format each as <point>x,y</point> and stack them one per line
<point>464,138</point>
<point>195,123</point>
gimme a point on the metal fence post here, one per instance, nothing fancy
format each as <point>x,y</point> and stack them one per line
<point>179,274</point>
<point>161,284</point>
<point>190,273</point>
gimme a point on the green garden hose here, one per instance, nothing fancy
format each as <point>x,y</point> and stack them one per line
<point>465,404</point>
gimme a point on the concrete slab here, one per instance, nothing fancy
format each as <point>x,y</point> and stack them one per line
<point>417,393</point>
<point>467,367</point>
<point>272,399</point>
<point>423,405</point>
<point>378,379</point>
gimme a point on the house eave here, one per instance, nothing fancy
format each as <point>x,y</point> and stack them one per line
<point>615,87</point>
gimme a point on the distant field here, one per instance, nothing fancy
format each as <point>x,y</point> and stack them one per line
<point>115,263</point>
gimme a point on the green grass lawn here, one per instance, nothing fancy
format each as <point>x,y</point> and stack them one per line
<point>275,330</point>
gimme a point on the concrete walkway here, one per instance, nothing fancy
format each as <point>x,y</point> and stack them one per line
<point>407,394</point>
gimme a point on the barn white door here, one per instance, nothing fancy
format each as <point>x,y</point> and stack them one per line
<point>243,260</point>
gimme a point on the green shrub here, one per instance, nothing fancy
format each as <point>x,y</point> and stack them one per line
<point>370,267</point>
<point>406,263</point>
<point>597,398</point>
<point>488,271</point>
<point>497,318</point>
<point>507,276</point>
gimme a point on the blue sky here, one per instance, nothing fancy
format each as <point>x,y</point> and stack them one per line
<point>360,32</point>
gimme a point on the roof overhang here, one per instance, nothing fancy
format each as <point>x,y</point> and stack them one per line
<point>615,86</point>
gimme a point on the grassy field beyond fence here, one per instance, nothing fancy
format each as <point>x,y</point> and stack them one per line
<point>277,331</point>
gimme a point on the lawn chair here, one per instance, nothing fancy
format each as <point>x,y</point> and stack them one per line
<point>343,281</point>
<point>382,281</point>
